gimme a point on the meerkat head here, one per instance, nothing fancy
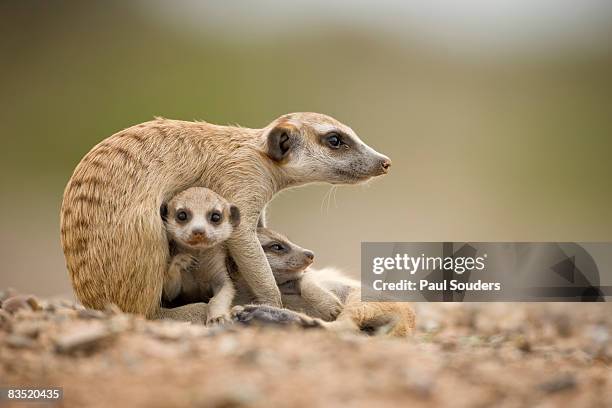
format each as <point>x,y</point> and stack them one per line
<point>287,260</point>
<point>311,147</point>
<point>199,218</point>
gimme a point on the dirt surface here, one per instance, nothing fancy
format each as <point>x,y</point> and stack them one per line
<point>463,355</point>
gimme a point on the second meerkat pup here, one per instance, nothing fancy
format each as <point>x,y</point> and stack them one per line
<point>198,222</point>
<point>325,294</point>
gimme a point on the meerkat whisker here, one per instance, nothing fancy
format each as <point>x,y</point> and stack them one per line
<point>335,192</point>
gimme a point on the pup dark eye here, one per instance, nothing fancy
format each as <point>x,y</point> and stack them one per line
<point>182,216</point>
<point>277,247</point>
<point>215,217</point>
<point>334,141</point>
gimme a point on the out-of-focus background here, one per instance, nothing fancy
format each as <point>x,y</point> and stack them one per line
<point>497,114</point>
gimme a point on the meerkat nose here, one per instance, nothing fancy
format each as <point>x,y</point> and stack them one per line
<point>309,255</point>
<point>386,163</point>
<point>198,233</point>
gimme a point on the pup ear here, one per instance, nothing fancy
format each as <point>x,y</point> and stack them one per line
<point>281,139</point>
<point>163,211</point>
<point>234,215</point>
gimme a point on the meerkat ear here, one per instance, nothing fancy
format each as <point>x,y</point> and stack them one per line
<point>163,211</point>
<point>234,215</point>
<point>280,141</point>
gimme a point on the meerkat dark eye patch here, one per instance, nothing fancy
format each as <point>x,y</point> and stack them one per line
<point>333,140</point>
<point>276,247</point>
<point>215,217</point>
<point>336,140</point>
<point>183,216</point>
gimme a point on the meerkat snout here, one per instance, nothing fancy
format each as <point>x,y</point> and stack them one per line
<point>198,235</point>
<point>380,165</point>
<point>287,260</point>
<point>199,218</point>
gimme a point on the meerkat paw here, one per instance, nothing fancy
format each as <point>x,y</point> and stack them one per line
<point>330,309</point>
<point>236,310</point>
<point>218,320</point>
<point>185,262</point>
<point>264,314</point>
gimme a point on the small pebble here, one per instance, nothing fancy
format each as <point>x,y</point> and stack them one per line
<point>28,329</point>
<point>20,302</point>
<point>168,331</point>
<point>6,320</point>
<point>522,344</point>
<point>83,339</point>
<point>560,383</point>
<point>18,342</point>
<point>7,293</point>
<point>90,314</point>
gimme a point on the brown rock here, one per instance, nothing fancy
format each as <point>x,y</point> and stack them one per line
<point>20,302</point>
<point>7,293</point>
<point>86,338</point>
<point>18,341</point>
<point>6,320</point>
<point>560,383</point>
<point>522,344</point>
<point>28,329</point>
<point>90,314</point>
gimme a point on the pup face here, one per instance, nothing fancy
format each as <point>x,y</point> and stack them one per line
<point>313,147</point>
<point>199,218</point>
<point>287,260</point>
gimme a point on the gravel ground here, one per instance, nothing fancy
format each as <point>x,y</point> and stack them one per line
<point>463,355</point>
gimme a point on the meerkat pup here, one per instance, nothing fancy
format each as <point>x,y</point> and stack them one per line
<point>114,241</point>
<point>198,222</point>
<point>325,294</point>
<point>288,262</point>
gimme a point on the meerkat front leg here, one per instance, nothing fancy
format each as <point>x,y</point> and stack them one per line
<point>249,256</point>
<point>180,264</point>
<point>220,304</point>
<point>320,299</point>
<point>193,312</point>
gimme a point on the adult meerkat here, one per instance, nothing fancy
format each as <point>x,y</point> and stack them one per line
<point>112,235</point>
<point>198,222</point>
<point>324,294</point>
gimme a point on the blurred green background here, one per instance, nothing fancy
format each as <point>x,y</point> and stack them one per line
<point>497,114</point>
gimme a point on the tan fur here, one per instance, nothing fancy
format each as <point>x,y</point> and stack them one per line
<point>113,238</point>
<point>394,319</point>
